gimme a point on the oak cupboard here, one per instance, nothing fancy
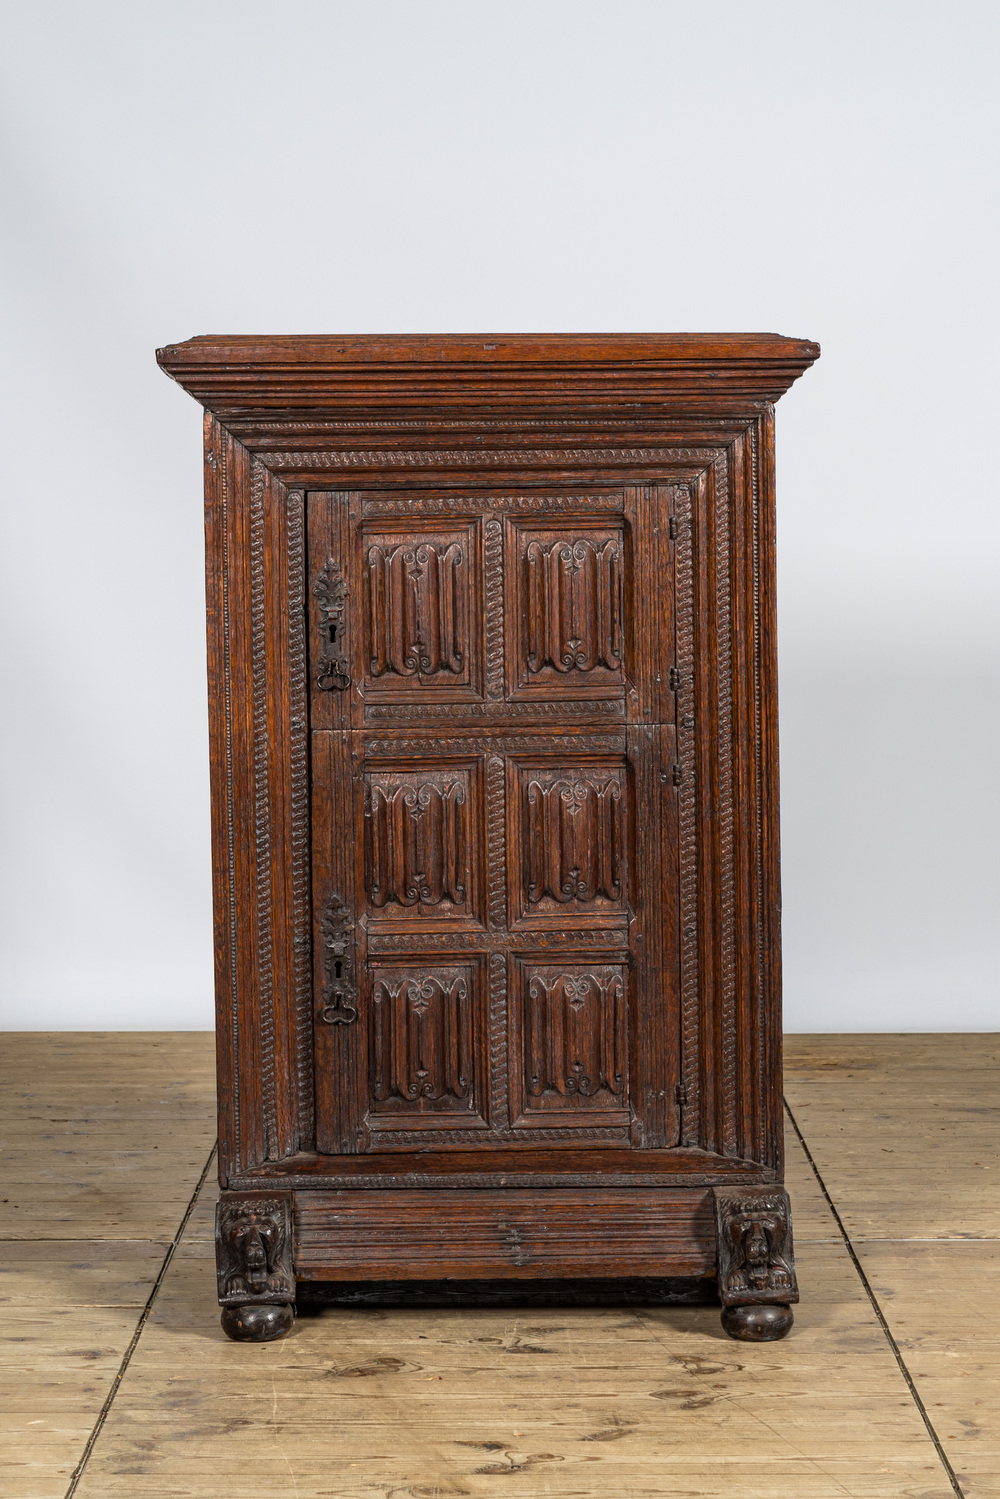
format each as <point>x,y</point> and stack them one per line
<point>494,789</point>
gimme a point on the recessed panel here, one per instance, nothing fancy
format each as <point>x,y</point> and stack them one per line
<point>570,1042</point>
<point>425,1045</point>
<point>568,627</point>
<point>421,586</point>
<point>568,860</point>
<point>422,837</point>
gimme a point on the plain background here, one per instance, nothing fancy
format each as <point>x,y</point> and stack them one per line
<point>825,170</point>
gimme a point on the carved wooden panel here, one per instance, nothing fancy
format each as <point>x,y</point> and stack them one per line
<point>572,1055</point>
<point>568,840</point>
<point>421,843</point>
<point>426,1044</point>
<point>568,626</point>
<point>421,627</point>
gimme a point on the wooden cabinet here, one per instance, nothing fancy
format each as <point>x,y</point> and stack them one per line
<point>492,684</point>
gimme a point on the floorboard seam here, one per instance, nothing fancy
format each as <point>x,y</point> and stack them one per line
<point>139,1327</point>
<point>866,1283</point>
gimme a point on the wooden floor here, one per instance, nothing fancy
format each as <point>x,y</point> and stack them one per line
<point>116,1379</point>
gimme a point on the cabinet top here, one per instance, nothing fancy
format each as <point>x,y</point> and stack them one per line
<point>313,373</point>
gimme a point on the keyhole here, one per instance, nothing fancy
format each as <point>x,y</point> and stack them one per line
<point>333,634</point>
<point>337,969</point>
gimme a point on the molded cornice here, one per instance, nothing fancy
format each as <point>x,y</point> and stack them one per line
<point>308,378</point>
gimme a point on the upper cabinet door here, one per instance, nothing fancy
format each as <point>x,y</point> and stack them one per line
<point>494,774</point>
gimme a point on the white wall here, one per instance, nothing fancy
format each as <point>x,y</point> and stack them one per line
<point>203,166</point>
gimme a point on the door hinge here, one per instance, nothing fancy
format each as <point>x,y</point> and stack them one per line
<point>672,528</point>
<point>681,1095</point>
<point>678,773</point>
<point>676,680</point>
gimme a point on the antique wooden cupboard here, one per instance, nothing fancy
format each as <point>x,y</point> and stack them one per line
<point>494,788</point>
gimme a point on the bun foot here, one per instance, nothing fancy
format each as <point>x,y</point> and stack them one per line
<point>257,1323</point>
<point>757,1324</point>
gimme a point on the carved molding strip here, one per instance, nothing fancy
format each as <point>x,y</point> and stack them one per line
<point>262,813</point>
<point>496,803</point>
<point>597,708</point>
<point>467,458</point>
<point>217,455</point>
<point>687,815</point>
<point>388,1138</point>
<point>299,781</point>
<point>475,423</point>
<point>499,744</point>
<point>763,1048</point>
<point>727,889</point>
<point>499,1075</point>
<point>480,504</point>
<point>612,942</point>
<point>493,578</point>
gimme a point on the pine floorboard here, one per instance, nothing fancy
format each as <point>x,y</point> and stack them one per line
<point>105,1138</point>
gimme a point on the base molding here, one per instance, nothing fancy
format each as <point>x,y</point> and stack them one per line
<point>631,1242</point>
<point>503,1234</point>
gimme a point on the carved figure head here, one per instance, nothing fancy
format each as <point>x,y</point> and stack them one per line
<point>252,1236</point>
<point>757,1241</point>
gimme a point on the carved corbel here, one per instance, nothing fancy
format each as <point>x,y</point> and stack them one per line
<point>756,1264</point>
<point>253,1251</point>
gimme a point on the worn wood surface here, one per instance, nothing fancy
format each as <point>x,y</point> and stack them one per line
<point>558,1402</point>
<point>103,1139</point>
<point>494,756</point>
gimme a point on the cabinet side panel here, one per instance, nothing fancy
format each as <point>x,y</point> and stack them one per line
<point>258,827</point>
<point>735,767</point>
<point>241,1124</point>
<point>220,759</point>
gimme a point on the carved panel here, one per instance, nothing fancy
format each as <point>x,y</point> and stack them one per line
<point>253,1248</point>
<point>425,1044</point>
<point>419,834</point>
<point>568,841</point>
<point>574,1034</point>
<point>569,622</point>
<point>421,586</point>
<point>756,1261</point>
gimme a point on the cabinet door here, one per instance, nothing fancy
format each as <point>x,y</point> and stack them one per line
<point>494,819</point>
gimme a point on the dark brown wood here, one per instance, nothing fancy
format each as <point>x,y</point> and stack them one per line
<point>253,1243</point>
<point>494,759</point>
